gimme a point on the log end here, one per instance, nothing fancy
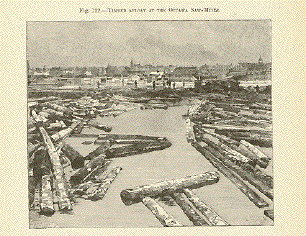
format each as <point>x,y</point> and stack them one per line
<point>127,198</point>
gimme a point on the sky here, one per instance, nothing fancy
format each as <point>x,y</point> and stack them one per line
<point>184,43</point>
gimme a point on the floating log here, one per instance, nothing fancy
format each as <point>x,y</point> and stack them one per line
<point>66,132</point>
<point>269,213</point>
<point>263,157</point>
<point>218,136</point>
<point>192,215</point>
<point>80,127</point>
<point>136,148</point>
<point>253,138</point>
<point>232,154</point>
<point>99,142</point>
<point>46,206</point>
<point>76,159</point>
<point>211,216</point>
<point>163,217</point>
<point>234,145</point>
<point>56,107</point>
<point>229,128</point>
<point>245,174</point>
<point>254,197</point>
<point>64,202</point>
<point>98,174</point>
<point>79,176</point>
<point>255,116</point>
<point>135,195</point>
<point>78,135</point>
<point>100,192</point>
<point>91,189</point>
<point>101,150</point>
<point>189,131</point>
<point>101,127</point>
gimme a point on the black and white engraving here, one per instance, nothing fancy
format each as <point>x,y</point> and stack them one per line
<point>149,123</point>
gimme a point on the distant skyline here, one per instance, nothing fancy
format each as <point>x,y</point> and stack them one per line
<point>183,43</point>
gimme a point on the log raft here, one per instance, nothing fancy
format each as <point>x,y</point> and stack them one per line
<point>135,195</point>
<point>163,217</point>
<point>254,197</point>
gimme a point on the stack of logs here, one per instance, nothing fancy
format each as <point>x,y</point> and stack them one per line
<point>239,121</point>
<point>181,192</point>
<point>51,121</point>
<point>236,158</point>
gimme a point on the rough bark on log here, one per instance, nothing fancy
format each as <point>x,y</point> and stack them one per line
<point>232,144</point>
<point>135,149</point>
<point>256,151</point>
<point>66,132</point>
<point>163,217</point>
<point>56,107</point>
<point>229,128</point>
<point>237,158</point>
<point>135,195</point>
<point>255,139</point>
<point>100,192</point>
<point>76,159</point>
<point>98,174</point>
<point>64,202</point>
<point>255,198</point>
<point>244,174</point>
<point>46,206</point>
<point>219,136</point>
<point>192,215</point>
<point>79,176</point>
<point>212,217</point>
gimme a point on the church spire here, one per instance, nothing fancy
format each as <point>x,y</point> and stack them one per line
<point>260,61</point>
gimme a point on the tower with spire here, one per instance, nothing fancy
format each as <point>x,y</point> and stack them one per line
<point>260,61</point>
<point>132,63</point>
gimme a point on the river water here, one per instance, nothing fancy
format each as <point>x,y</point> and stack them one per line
<point>180,160</point>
